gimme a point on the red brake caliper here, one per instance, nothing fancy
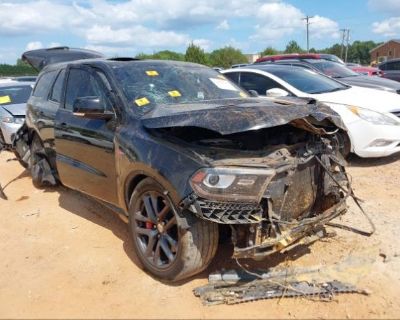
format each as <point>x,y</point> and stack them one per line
<point>149,225</point>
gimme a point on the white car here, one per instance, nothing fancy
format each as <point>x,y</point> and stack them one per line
<point>372,117</point>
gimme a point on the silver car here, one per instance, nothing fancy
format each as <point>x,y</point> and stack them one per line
<point>13,98</point>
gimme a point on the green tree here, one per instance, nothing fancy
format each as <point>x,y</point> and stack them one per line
<point>269,51</point>
<point>293,47</point>
<point>359,51</point>
<point>195,54</point>
<point>226,57</point>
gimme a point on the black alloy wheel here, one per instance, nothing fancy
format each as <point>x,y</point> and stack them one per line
<point>156,229</point>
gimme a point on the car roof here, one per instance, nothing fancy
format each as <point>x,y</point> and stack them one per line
<point>120,62</point>
<point>266,67</point>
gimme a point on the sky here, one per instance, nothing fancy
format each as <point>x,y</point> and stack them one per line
<point>128,27</point>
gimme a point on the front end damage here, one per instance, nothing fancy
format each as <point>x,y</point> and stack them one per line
<point>276,187</point>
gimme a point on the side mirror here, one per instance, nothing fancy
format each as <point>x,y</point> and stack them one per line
<point>91,108</point>
<point>276,93</point>
<point>253,93</point>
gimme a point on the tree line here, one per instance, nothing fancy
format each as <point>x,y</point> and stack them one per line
<point>224,57</point>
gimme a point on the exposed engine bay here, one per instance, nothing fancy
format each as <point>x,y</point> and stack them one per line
<point>307,185</point>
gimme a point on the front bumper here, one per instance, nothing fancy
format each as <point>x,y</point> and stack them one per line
<point>8,130</point>
<point>369,140</point>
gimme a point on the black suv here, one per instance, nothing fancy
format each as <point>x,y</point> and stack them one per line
<point>178,150</point>
<point>390,69</point>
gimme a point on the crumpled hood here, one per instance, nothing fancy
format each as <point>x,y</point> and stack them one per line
<point>15,109</point>
<point>239,115</point>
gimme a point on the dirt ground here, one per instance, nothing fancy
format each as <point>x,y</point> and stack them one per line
<point>65,256</point>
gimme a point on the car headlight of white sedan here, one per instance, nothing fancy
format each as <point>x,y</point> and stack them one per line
<point>374,117</point>
<point>11,119</point>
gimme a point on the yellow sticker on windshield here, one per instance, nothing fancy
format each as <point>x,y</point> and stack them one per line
<point>152,73</point>
<point>142,102</point>
<point>174,93</point>
<point>5,99</point>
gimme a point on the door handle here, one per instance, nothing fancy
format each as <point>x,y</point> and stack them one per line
<point>63,125</point>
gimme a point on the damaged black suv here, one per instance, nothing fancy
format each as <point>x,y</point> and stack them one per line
<point>179,150</point>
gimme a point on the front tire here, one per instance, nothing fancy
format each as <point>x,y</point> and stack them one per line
<point>165,249</point>
<point>41,172</point>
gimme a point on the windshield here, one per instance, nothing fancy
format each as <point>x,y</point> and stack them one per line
<point>306,80</point>
<point>333,69</point>
<point>15,94</point>
<point>147,84</point>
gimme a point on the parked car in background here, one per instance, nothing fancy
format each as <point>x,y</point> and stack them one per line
<point>371,116</point>
<point>366,71</point>
<point>25,78</point>
<point>279,57</point>
<point>178,149</point>
<point>390,69</point>
<point>13,98</point>
<point>343,74</point>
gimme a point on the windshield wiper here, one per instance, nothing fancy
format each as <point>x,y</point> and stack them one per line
<point>332,90</point>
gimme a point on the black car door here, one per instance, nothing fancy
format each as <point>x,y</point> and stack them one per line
<point>85,147</point>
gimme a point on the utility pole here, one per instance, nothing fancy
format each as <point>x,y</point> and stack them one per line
<point>347,44</point>
<point>307,19</point>
<point>343,37</point>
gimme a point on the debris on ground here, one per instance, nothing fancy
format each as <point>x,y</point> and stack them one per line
<point>233,287</point>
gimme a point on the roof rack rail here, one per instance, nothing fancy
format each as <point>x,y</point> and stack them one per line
<point>123,59</point>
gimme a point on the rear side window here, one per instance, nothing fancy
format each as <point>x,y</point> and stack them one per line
<point>43,84</point>
<point>58,87</point>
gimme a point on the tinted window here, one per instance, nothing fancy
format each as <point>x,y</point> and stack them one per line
<point>14,94</point>
<point>259,83</point>
<point>393,65</point>
<point>43,85</point>
<point>332,69</point>
<point>307,81</point>
<point>58,87</point>
<point>83,84</point>
<point>234,76</point>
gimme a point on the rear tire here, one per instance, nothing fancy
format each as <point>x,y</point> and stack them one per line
<point>165,249</point>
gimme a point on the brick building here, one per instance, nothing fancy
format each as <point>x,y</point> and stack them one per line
<point>386,51</point>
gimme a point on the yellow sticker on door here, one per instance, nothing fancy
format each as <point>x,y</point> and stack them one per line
<point>5,99</point>
<point>142,102</point>
<point>152,73</point>
<point>174,93</point>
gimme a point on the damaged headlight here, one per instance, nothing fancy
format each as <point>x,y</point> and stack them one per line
<point>374,117</point>
<point>231,184</point>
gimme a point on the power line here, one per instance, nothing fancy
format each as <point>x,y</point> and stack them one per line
<point>307,19</point>
<point>345,38</point>
<point>347,44</point>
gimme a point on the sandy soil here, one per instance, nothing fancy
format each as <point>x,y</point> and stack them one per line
<point>65,256</point>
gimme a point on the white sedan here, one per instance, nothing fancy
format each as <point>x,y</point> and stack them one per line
<point>372,117</point>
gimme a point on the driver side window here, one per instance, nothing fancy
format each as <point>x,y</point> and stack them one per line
<point>83,84</point>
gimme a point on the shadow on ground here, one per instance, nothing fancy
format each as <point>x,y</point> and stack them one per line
<point>355,161</point>
<point>95,212</point>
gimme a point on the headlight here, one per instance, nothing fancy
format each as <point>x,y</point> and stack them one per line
<point>231,184</point>
<point>13,120</point>
<point>374,117</point>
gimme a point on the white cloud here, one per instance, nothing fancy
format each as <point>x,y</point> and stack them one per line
<point>384,5</point>
<point>224,25</point>
<point>33,45</point>
<point>387,28</point>
<point>279,19</point>
<point>141,25</point>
